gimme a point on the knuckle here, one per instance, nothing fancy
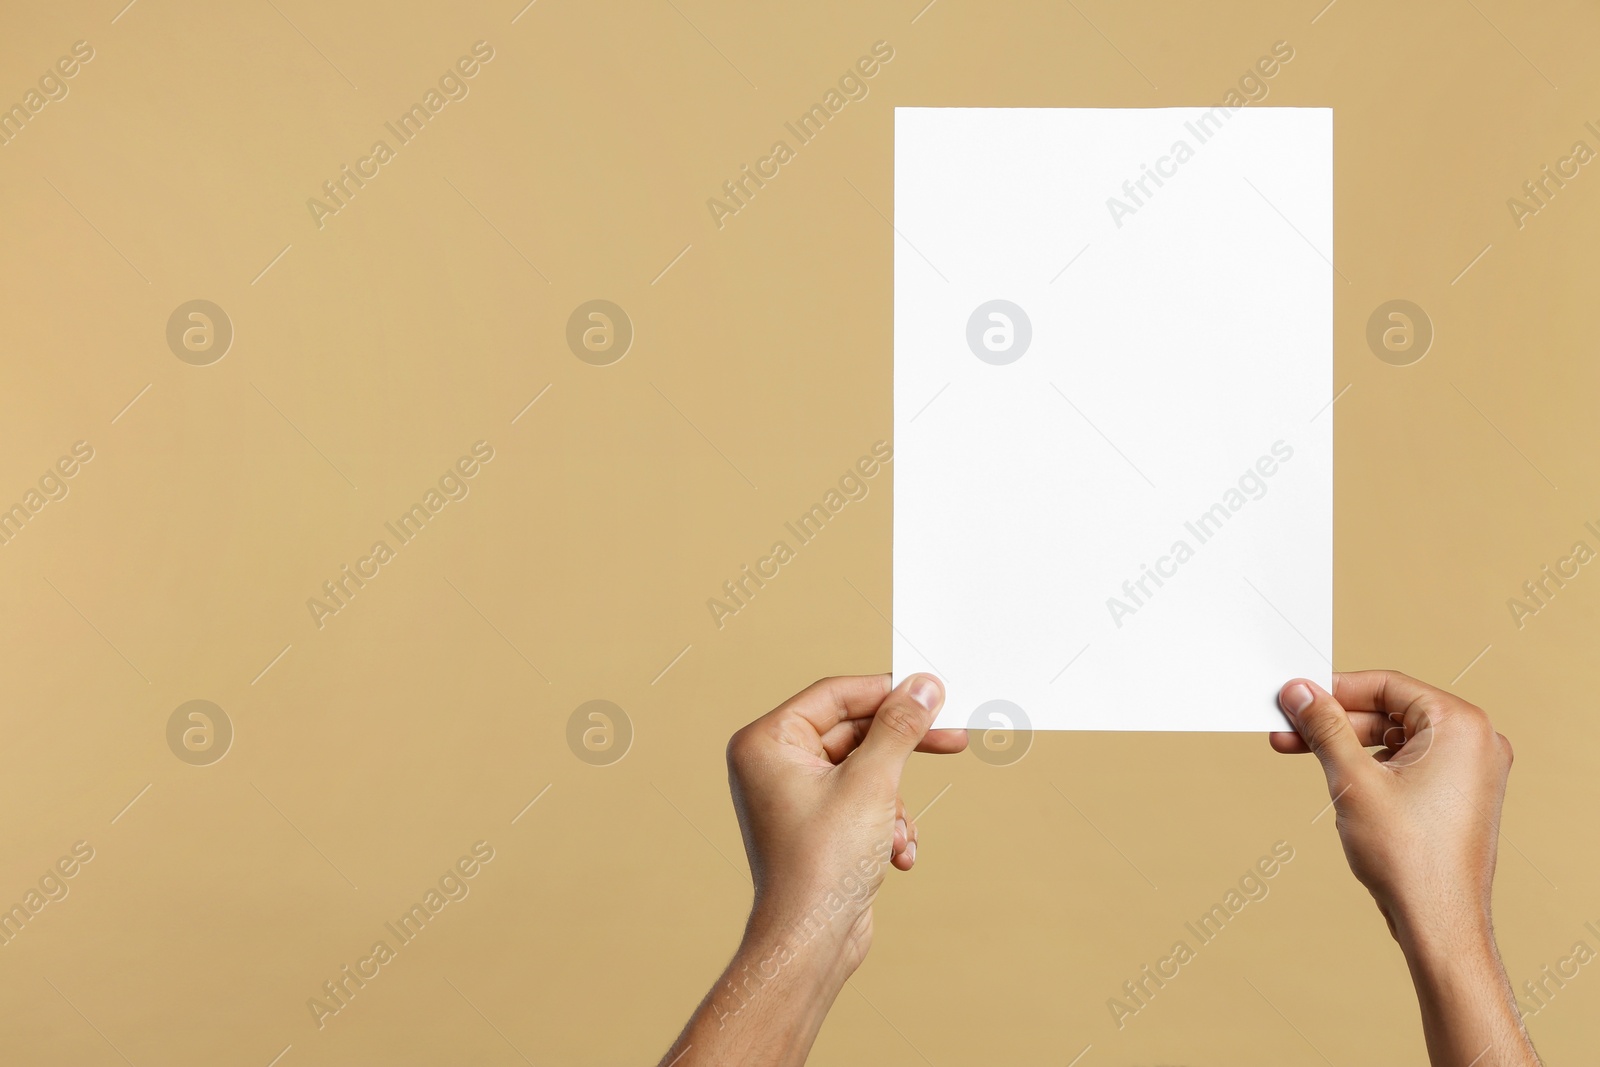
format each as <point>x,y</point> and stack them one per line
<point>1392,682</point>
<point>1476,724</point>
<point>1321,727</point>
<point>1449,713</point>
<point>1436,704</point>
<point>902,720</point>
<point>739,748</point>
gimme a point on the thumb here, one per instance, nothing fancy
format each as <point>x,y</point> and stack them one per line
<point>900,723</point>
<point>1325,727</point>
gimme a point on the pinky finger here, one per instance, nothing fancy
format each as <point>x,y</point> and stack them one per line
<point>907,856</point>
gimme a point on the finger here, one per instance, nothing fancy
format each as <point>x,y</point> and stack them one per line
<point>809,721</point>
<point>904,834</point>
<point>829,701</point>
<point>1326,729</point>
<point>1287,743</point>
<point>843,738</point>
<point>900,724</point>
<point>1369,727</point>
<point>908,856</point>
<point>1389,692</point>
<point>1427,713</point>
<point>944,742</point>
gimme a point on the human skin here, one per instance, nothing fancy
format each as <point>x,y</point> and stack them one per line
<point>1420,821</point>
<point>816,785</point>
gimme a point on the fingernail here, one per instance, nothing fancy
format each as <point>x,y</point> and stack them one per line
<point>1295,699</point>
<point>911,852</point>
<point>925,691</point>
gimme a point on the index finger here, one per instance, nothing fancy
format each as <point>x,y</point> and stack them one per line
<point>943,742</point>
<point>827,702</point>
<point>847,736</point>
<point>1385,691</point>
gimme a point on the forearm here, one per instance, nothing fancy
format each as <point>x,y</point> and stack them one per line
<point>1469,1014</point>
<point>766,1008</point>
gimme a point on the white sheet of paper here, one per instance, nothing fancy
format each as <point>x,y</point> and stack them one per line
<point>1113,494</point>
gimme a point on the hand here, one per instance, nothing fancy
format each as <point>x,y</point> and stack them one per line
<point>1420,821</point>
<point>816,784</point>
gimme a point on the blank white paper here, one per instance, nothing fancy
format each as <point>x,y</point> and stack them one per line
<point>1113,357</point>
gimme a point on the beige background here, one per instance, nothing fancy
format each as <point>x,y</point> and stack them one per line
<point>372,753</point>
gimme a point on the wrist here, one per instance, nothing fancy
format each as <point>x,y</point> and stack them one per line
<point>1464,996</point>
<point>778,980</point>
<point>1453,957</point>
<point>815,949</point>
<point>1457,966</point>
<point>1432,936</point>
